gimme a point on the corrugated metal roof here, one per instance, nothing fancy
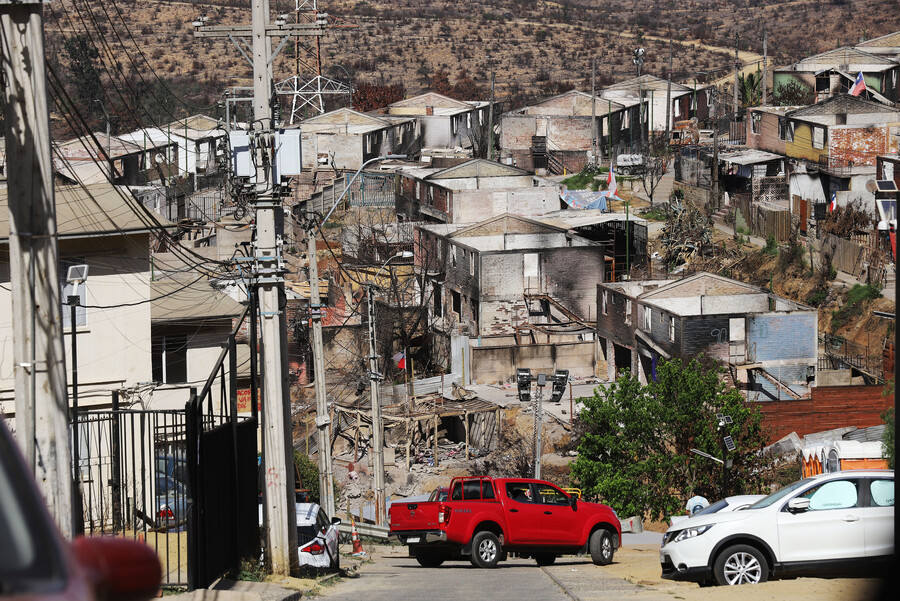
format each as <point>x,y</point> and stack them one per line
<point>94,210</point>
<point>174,300</point>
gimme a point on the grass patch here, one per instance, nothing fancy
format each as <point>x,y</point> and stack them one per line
<point>771,248</point>
<point>856,300</point>
<point>584,179</point>
<point>817,297</point>
<point>655,214</point>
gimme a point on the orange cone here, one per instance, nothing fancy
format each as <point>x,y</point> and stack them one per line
<point>358,550</point>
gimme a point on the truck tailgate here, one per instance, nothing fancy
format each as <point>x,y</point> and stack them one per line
<point>413,516</point>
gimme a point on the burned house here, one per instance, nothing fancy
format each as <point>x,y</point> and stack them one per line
<point>768,343</point>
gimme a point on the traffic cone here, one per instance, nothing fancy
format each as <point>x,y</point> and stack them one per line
<point>358,550</point>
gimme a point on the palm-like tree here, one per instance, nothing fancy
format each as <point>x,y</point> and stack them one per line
<point>750,89</point>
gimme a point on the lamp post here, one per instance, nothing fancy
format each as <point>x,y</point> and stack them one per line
<point>76,275</point>
<point>374,379</point>
<point>524,380</point>
<point>638,61</point>
<point>323,422</point>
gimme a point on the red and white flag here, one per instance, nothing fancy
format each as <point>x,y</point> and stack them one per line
<point>858,86</point>
<point>400,359</point>
<point>833,205</point>
<point>611,182</point>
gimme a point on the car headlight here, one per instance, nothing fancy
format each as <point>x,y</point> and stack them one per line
<point>691,532</point>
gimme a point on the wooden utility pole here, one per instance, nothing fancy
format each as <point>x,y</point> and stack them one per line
<point>38,353</point>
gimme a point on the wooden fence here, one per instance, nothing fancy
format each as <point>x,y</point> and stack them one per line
<point>765,219</point>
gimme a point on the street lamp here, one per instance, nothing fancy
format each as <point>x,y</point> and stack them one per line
<point>638,61</point>
<point>323,422</point>
<point>374,379</point>
<point>524,380</point>
<point>76,275</point>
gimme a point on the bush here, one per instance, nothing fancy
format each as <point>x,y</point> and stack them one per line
<point>856,300</point>
<point>817,297</point>
<point>771,246</point>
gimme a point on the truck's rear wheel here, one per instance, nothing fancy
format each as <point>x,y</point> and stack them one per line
<point>601,547</point>
<point>545,559</point>
<point>486,549</point>
<point>429,558</point>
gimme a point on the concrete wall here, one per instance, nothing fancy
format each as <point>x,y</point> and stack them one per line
<point>785,345</point>
<point>114,344</point>
<point>345,150</point>
<point>493,363</point>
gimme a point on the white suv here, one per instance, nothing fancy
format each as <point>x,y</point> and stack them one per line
<point>836,524</point>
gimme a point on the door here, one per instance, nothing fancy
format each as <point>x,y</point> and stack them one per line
<point>832,527</point>
<point>523,515</point>
<point>559,522</point>
<point>878,521</point>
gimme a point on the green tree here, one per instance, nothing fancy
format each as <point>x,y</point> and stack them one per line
<point>888,439</point>
<point>83,74</point>
<point>309,475</point>
<point>635,453</point>
<point>793,93</point>
<point>750,89</point>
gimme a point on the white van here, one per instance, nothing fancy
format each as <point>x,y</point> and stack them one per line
<point>627,164</point>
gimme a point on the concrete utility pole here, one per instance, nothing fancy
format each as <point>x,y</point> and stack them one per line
<point>594,110</point>
<point>737,67</point>
<point>714,187</point>
<point>278,494</point>
<point>323,419</point>
<point>765,74</point>
<point>490,152</point>
<point>38,354</point>
<point>669,97</point>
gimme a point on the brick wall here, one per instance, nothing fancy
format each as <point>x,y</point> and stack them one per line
<point>857,144</point>
<point>829,408</point>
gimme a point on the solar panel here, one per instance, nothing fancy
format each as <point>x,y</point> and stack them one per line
<point>729,443</point>
<point>886,185</point>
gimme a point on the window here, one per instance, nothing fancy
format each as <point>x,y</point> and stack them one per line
<point>837,494</point>
<point>603,299</point>
<point>672,329</point>
<point>628,312</point>
<point>472,264</point>
<point>70,290</point>
<point>548,495</point>
<point>818,138</point>
<point>882,492</point>
<point>169,356</point>
<point>647,316</point>
<point>438,306</point>
<point>785,130</point>
<point>755,122</point>
<point>519,491</point>
<point>453,250</point>
<point>455,299</point>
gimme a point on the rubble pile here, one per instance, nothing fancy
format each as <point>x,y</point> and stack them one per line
<point>686,234</point>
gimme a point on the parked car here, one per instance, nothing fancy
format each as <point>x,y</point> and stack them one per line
<point>171,501</point>
<point>38,565</point>
<point>484,519</point>
<point>628,164</point>
<point>733,503</point>
<point>835,524</point>
<point>317,536</point>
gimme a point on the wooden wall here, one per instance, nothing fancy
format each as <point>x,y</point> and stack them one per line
<point>829,407</point>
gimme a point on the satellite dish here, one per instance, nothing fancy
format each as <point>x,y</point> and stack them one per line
<point>158,158</point>
<point>871,186</point>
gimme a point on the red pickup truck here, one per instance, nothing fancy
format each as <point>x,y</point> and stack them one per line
<point>485,518</point>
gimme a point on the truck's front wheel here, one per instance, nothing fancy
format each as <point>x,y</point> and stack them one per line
<point>429,558</point>
<point>485,549</point>
<point>601,547</point>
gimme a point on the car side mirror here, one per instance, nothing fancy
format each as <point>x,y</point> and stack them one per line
<point>798,505</point>
<point>574,502</point>
<point>335,521</point>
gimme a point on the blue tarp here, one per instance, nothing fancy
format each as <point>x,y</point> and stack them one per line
<point>587,199</point>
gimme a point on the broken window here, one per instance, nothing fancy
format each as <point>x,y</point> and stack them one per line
<point>603,300</point>
<point>457,304</point>
<point>754,122</point>
<point>672,329</point>
<point>438,308</point>
<point>818,137</point>
<point>472,264</point>
<point>628,312</point>
<point>786,130</point>
<point>647,316</point>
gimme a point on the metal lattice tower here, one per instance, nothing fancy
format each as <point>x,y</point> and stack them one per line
<point>308,87</point>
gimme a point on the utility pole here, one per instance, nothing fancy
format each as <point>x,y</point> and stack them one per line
<point>323,418</point>
<point>490,152</point>
<point>377,423</point>
<point>714,187</point>
<point>594,109</point>
<point>765,74</point>
<point>42,428</point>
<point>737,66</point>
<point>669,97</point>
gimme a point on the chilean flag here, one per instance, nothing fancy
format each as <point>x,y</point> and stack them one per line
<point>400,359</point>
<point>833,205</point>
<point>611,182</point>
<point>858,86</point>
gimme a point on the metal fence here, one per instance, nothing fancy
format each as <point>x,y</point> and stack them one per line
<point>132,481</point>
